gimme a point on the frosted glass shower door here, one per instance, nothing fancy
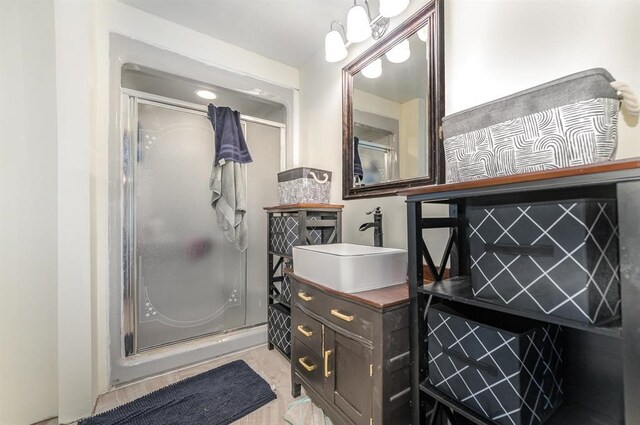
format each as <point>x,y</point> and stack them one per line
<point>190,281</point>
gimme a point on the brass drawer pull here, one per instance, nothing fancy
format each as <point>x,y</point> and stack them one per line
<point>304,297</point>
<point>327,372</point>
<point>303,362</point>
<point>304,332</point>
<point>342,316</point>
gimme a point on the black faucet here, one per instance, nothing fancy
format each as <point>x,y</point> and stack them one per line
<point>376,224</point>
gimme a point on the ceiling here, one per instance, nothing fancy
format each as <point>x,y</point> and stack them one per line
<point>288,31</point>
<point>169,86</point>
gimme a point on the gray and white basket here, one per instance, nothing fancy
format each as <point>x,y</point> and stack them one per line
<point>568,122</point>
<point>304,185</point>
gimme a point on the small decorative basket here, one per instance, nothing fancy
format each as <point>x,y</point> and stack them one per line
<point>304,185</point>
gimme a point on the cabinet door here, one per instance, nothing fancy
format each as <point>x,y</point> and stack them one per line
<point>349,384</point>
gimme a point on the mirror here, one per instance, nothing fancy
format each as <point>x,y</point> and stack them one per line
<point>393,102</point>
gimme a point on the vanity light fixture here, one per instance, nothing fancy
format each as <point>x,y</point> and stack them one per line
<point>334,48</point>
<point>391,8</point>
<point>373,70</point>
<point>206,94</point>
<point>360,26</point>
<point>399,53</point>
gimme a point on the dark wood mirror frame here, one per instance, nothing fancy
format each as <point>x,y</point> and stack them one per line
<point>431,14</point>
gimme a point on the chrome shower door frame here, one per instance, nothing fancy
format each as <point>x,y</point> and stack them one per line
<point>129,101</point>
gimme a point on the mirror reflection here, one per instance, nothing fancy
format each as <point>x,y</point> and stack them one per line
<point>390,114</point>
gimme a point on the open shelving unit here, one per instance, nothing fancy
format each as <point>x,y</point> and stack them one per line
<point>602,362</point>
<point>293,225</point>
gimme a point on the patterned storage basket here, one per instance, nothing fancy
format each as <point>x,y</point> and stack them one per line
<point>279,327</point>
<point>285,292</point>
<point>506,368</point>
<point>567,122</point>
<point>304,186</point>
<point>558,258</point>
<point>285,233</point>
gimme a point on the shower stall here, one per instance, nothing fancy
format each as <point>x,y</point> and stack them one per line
<point>182,280</point>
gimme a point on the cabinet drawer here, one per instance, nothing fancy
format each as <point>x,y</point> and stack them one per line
<point>307,330</point>
<point>344,314</point>
<point>308,365</point>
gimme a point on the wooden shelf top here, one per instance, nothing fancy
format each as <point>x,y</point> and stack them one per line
<point>292,207</point>
<point>382,299</point>
<point>585,170</point>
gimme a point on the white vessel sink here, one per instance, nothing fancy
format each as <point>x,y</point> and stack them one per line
<point>350,268</point>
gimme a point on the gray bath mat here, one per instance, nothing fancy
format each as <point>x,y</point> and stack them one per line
<point>217,397</point>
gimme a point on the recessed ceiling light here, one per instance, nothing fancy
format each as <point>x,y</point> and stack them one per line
<point>206,94</point>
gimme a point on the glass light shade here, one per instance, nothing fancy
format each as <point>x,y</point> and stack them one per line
<point>422,34</point>
<point>358,28</point>
<point>373,70</point>
<point>391,8</point>
<point>399,53</point>
<point>334,50</point>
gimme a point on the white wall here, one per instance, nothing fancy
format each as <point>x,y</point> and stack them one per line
<point>74,82</point>
<point>91,22</point>
<point>28,217</point>
<point>412,131</point>
<point>367,102</point>
<point>492,48</point>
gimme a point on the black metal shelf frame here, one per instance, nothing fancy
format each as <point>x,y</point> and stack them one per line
<point>330,220</point>
<point>567,414</point>
<point>458,289</point>
<point>624,185</point>
<point>277,299</point>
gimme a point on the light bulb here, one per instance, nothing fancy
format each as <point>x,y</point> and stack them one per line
<point>334,50</point>
<point>422,34</point>
<point>373,70</point>
<point>399,53</point>
<point>391,8</point>
<point>358,28</point>
<point>206,94</point>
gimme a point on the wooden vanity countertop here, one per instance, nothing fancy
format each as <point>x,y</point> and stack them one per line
<point>382,298</point>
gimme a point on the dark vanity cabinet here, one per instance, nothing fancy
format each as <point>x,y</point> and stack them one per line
<point>350,352</point>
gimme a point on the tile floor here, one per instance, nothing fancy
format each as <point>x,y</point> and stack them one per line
<point>271,365</point>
